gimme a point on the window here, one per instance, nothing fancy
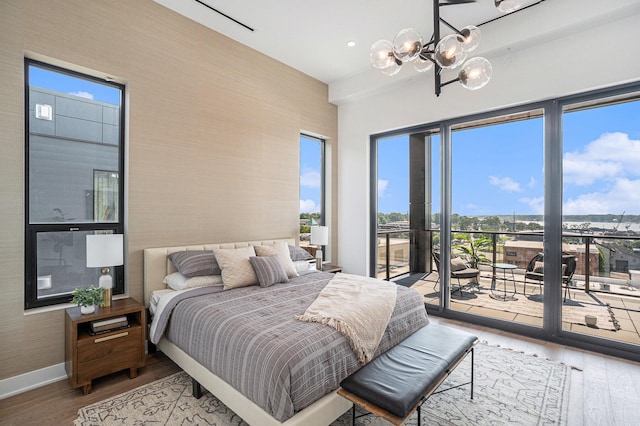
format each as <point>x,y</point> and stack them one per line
<point>74,178</point>
<point>311,185</point>
<point>600,207</point>
<point>558,178</point>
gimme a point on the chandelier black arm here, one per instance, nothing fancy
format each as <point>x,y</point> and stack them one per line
<point>451,26</point>
<point>449,82</point>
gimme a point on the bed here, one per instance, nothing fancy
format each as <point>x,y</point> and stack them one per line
<point>253,391</point>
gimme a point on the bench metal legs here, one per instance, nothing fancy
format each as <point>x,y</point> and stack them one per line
<point>452,387</point>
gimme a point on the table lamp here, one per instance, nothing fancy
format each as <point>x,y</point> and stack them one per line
<point>104,251</point>
<point>319,237</point>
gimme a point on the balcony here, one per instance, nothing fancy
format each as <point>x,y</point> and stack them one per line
<point>605,286</point>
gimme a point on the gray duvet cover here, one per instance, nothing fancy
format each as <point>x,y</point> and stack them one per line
<point>249,338</point>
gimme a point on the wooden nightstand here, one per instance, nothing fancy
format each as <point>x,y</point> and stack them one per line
<point>327,267</point>
<point>88,357</point>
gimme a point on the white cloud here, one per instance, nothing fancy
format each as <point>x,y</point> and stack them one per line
<point>310,178</point>
<point>382,186</point>
<point>505,184</point>
<point>309,206</point>
<point>536,204</point>
<point>623,195</point>
<point>611,156</point>
<point>82,94</point>
<point>532,182</point>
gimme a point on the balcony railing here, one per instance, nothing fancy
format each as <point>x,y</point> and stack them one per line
<point>394,249</point>
<point>603,264</point>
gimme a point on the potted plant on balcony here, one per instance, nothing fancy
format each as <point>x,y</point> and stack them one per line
<point>473,249</point>
<point>87,298</point>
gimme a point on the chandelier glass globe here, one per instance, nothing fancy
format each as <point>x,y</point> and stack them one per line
<point>392,69</point>
<point>471,38</point>
<point>381,54</point>
<point>476,73</point>
<point>407,45</point>
<point>422,65</point>
<point>450,52</point>
<point>508,6</point>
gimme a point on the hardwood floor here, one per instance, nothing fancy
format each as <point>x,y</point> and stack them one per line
<point>58,403</point>
<point>605,391</point>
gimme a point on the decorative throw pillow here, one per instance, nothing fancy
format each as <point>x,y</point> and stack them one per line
<point>177,281</point>
<point>458,264</point>
<point>281,249</point>
<point>538,267</point>
<point>236,267</point>
<point>269,270</point>
<point>195,263</point>
<point>298,253</point>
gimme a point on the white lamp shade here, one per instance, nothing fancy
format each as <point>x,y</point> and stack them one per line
<point>320,235</point>
<point>104,250</point>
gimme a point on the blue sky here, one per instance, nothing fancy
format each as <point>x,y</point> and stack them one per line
<point>310,177</point>
<point>73,86</point>
<point>499,169</point>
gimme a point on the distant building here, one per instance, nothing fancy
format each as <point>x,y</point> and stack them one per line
<point>618,257</point>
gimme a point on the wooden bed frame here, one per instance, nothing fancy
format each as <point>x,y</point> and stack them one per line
<point>320,413</point>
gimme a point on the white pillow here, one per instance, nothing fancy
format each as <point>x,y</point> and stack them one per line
<point>302,265</point>
<point>280,249</point>
<point>177,281</point>
<point>236,267</point>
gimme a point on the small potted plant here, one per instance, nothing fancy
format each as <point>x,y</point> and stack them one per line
<point>87,298</point>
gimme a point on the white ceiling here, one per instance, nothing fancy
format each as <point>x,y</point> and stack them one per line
<point>312,36</point>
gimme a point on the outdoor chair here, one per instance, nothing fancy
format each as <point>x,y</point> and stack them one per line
<point>535,272</point>
<point>459,270</point>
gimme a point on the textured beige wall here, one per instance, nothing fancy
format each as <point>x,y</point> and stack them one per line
<point>213,140</point>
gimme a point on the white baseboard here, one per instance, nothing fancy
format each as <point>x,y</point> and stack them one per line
<point>31,380</point>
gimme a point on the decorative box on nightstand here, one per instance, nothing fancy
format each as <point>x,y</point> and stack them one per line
<point>90,356</point>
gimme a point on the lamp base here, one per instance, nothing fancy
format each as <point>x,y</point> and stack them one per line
<point>319,259</point>
<point>106,282</point>
<point>106,297</point>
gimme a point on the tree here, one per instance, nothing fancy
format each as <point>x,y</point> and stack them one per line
<point>493,223</point>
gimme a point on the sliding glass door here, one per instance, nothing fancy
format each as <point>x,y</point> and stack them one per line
<point>526,219</point>
<point>497,211</point>
<point>392,213</point>
<point>601,217</point>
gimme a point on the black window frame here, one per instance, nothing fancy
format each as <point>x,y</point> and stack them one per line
<point>31,230</point>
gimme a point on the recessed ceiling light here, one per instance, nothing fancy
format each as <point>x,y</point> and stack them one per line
<point>351,43</point>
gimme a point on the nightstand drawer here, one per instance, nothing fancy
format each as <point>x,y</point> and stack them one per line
<point>108,353</point>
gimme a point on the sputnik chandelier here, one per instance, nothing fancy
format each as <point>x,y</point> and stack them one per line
<point>448,52</point>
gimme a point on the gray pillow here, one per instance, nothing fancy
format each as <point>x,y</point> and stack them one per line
<point>538,267</point>
<point>195,263</point>
<point>269,270</point>
<point>298,253</point>
<point>458,264</point>
<point>280,249</point>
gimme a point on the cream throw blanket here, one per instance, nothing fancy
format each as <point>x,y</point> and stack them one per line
<point>358,307</point>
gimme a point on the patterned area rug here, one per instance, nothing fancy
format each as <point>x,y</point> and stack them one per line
<point>511,388</point>
<point>573,311</point>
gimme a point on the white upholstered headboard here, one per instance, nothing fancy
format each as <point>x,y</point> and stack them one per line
<point>157,265</point>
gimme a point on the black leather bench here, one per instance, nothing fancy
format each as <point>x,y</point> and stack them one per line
<point>396,383</point>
